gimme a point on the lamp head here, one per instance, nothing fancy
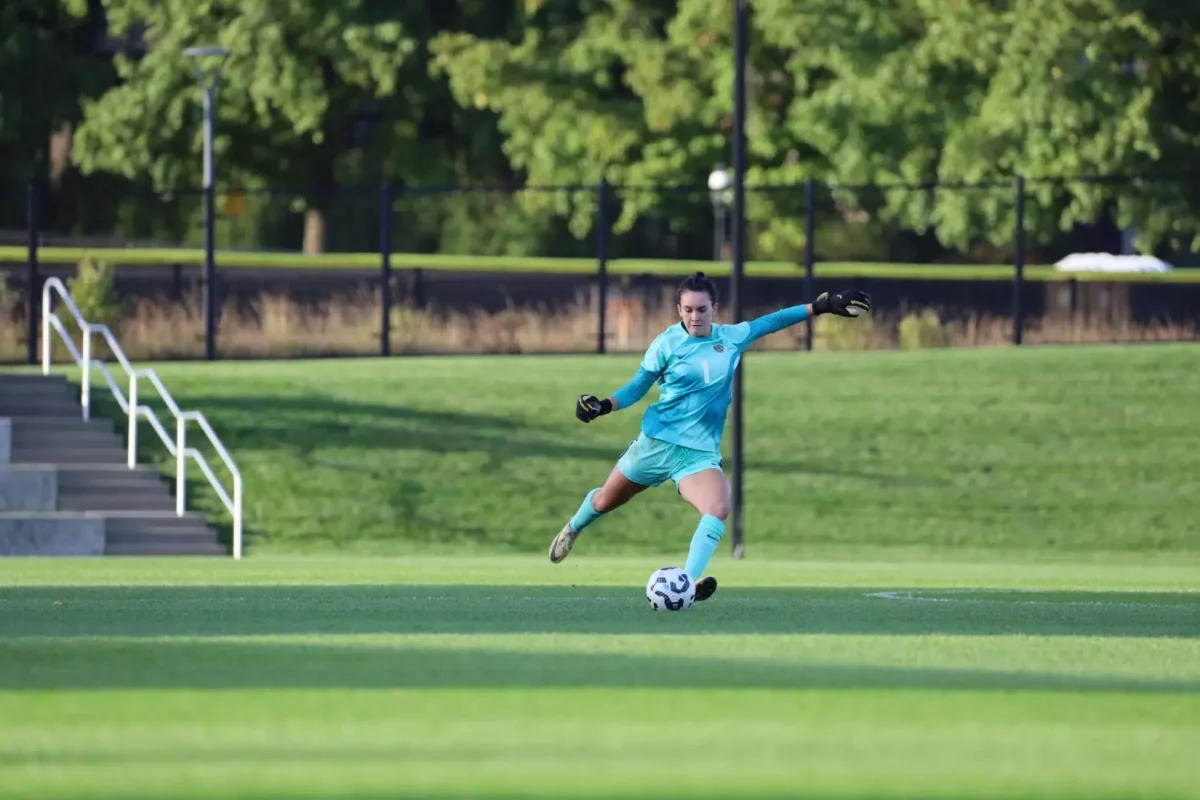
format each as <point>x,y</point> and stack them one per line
<point>202,58</point>
<point>202,52</point>
<point>719,179</point>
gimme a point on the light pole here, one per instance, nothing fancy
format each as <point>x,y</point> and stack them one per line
<point>207,63</point>
<point>719,181</point>
<point>740,37</point>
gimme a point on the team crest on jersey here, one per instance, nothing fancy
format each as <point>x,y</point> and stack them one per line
<point>720,348</point>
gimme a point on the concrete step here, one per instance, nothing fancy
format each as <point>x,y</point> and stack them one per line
<point>98,470</point>
<point>19,409</point>
<point>32,384</point>
<point>69,455</point>
<point>10,388</point>
<point>74,423</point>
<point>110,478</point>
<point>28,488</point>
<point>161,521</point>
<point>117,501</point>
<point>9,379</point>
<point>52,389</point>
<point>36,400</point>
<point>53,533</point>
<point>94,481</point>
<point>188,531</point>
<point>69,437</point>
<point>165,536</point>
<point>167,549</point>
<point>152,536</point>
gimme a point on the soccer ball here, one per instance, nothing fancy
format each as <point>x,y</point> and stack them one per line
<point>670,589</point>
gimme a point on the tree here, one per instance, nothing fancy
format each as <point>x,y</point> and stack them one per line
<point>858,91</point>
<point>48,62</point>
<point>975,90</point>
<point>294,92</point>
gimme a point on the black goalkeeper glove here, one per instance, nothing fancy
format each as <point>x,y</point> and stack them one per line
<point>589,407</point>
<point>846,303</point>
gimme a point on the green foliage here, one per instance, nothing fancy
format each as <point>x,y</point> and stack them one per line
<point>290,94</point>
<point>862,91</point>
<point>832,332</point>
<point>922,329</point>
<point>44,75</point>
<point>94,291</point>
<point>640,91</point>
<point>329,93</point>
<point>288,90</point>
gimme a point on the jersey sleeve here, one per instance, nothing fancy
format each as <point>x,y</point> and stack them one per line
<point>745,334</point>
<point>651,369</point>
<point>655,360</point>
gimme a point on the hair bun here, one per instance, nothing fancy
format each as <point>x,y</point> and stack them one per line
<point>697,274</point>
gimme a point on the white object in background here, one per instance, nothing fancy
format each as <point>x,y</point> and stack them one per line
<point>1107,262</point>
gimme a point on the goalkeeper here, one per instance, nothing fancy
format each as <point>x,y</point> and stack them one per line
<point>693,363</point>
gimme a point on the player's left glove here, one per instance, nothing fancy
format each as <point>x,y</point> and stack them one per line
<point>846,303</point>
<point>589,407</point>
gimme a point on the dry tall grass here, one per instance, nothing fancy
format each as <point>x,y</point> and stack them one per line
<point>275,326</point>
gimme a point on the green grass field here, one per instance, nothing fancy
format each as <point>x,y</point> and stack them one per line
<point>970,573</point>
<point>435,676</point>
<point>1048,451</point>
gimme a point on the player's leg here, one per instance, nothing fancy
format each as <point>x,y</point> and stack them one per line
<point>708,492</point>
<point>616,492</point>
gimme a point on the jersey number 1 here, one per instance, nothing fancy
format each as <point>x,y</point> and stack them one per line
<point>707,376</point>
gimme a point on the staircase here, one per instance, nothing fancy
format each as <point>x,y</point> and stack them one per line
<point>68,480</point>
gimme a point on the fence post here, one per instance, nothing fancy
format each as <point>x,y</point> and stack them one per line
<point>33,224</point>
<point>210,226</point>
<point>810,226</point>
<point>1019,263</point>
<point>210,274</point>
<point>602,265</point>
<point>385,263</point>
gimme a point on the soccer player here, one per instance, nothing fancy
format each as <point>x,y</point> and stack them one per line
<point>693,363</point>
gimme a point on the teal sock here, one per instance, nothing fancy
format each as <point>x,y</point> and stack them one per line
<point>586,515</point>
<point>704,543</point>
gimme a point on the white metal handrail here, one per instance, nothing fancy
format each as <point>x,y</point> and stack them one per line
<point>129,406</point>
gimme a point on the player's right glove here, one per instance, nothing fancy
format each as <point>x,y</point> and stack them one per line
<point>589,407</point>
<point>846,303</point>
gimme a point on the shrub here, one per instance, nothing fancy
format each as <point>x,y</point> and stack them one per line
<point>922,329</point>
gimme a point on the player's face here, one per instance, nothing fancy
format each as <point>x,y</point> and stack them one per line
<point>696,310</point>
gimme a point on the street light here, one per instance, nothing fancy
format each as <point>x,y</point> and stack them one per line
<point>719,181</point>
<point>207,63</point>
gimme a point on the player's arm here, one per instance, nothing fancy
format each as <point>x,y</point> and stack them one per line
<point>846,303</point>
<point>589,406</point>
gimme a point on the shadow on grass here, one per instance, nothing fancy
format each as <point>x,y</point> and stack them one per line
<point>67,611</point>
<point>103,664</point>
<point>306,423</point>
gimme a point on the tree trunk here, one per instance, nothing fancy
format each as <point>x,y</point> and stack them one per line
<point>314,229</point>
<point>60,153</point>
<point>60,205</point>
<point>319,199</point>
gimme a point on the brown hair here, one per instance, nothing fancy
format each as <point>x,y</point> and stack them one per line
<point>696,282</point>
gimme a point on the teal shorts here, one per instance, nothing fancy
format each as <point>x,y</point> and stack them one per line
<point>650,462</point>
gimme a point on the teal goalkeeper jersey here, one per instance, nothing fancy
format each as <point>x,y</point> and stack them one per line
<point>695,378</point>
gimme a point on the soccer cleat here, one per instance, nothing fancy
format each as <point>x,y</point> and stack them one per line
<point>560,548</point>
<point>705,588</point>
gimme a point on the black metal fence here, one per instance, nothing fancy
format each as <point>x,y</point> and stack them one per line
<point>598,261</point>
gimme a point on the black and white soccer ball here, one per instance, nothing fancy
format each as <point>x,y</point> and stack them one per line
<point>670,589</point>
